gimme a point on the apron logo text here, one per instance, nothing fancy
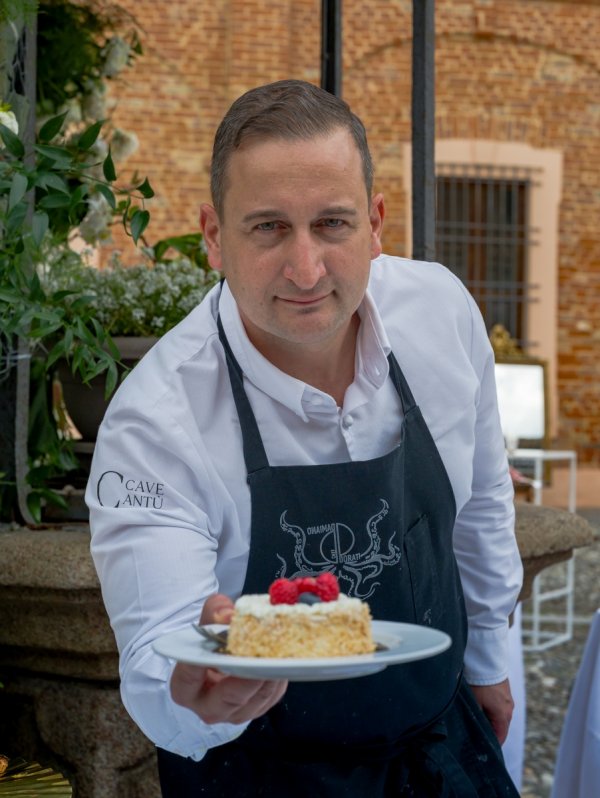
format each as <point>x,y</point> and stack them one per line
<point>336,551</point>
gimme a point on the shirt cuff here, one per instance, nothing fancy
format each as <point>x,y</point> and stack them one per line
<point>486,656</point>
<point>192,730</point>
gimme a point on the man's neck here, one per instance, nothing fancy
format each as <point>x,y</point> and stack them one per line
<point>329,369</point>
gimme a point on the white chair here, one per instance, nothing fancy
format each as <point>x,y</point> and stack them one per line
<point>521,384</point>
<point>577,771</point>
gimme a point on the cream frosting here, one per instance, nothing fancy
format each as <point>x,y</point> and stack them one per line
<point>260,606</point>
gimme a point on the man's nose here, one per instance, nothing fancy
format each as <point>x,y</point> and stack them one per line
<point>304,262</point>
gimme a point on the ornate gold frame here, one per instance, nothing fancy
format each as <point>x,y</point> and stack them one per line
<point>507,351</point>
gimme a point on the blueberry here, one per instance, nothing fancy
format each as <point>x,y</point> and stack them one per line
<point>308,598</point>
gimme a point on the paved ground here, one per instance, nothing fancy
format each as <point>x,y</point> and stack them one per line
<point>550,674</point>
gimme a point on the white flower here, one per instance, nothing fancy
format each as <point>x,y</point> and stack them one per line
<point>97,152</point>
<point>93,102</point>
<point>8,119</point>
<point>73,109</point>
<point>123,144</point>
<point>116,55</point>
<point>95,226</point>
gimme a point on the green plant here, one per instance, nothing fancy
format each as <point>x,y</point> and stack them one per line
<point>143,300</point>
<point>64,187</point>
<point>45,193</point>
<point>81,47</point>
<point>38,191</point>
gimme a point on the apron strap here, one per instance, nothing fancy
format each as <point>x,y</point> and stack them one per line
<point>255,455</point>
<point>401,385</point>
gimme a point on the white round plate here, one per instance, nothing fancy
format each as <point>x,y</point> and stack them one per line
<point>404,642</point>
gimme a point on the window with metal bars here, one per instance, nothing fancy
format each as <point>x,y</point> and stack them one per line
<point>483,236</point>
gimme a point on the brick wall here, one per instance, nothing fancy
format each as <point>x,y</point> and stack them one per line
<point>513,70</point>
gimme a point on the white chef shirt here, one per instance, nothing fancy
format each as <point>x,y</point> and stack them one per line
<point>170,505</point>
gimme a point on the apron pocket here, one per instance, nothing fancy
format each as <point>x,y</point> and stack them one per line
<point>424,577</point>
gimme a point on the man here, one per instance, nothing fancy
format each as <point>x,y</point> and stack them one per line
<point>320,379</point>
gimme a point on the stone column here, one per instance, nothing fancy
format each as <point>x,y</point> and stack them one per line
<point>59,667</point>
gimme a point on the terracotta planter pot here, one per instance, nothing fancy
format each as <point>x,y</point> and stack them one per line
<point>86,404</point>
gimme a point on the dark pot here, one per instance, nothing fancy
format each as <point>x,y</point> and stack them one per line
<point>86,404</point>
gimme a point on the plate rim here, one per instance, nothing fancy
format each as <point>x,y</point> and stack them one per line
<point>253,666</point>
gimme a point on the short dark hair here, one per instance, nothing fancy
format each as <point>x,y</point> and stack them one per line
<point>287,109</point>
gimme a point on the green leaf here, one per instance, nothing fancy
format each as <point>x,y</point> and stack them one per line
<point>108,168</point>
<point>55,200</point>
<point>57,351</point>
<point>39,226</point>
<point>146,189</point>
<point>34,505</point>
<point>16,217</point>
<point>78,195</point>
<point>52,497</point>
<point>89,136</point>
<point>107,194</point>
<point>37,294</point>
<point>139,222</point>
<point>58,296</point>
<point>52,127</point>
<point>44,330</point>
<point>18,188</point>
<point>12,142</point>
<point>68,339</point>
<point>112,377</point>
<point>51,180</point>
<point>187,244</point>
<point>83,332</point>
<point>58,155</point>
<point>79,304</point>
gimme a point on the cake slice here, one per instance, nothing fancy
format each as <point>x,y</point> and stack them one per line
<point>305,618</point>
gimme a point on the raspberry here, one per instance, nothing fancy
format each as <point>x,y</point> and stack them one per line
<point>328,588</point>
<point>306,584</point>
<point>283,591</point>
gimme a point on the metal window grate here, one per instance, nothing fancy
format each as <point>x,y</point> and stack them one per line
<point>483,235</point>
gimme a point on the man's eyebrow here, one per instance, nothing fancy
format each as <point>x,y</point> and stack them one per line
<point>271,213</point>
<point>339,210</point>
<point>264,213</point>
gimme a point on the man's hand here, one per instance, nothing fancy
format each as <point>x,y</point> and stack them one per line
<point>497,703</point>
<point>214,696</point>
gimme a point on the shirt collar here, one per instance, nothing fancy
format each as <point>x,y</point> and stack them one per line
<point>372,367</point>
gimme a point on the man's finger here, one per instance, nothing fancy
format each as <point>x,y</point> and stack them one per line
<point>217,609</point>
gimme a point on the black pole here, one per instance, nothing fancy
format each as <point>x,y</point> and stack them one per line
<point>331,46</point>
<point>423,130</point>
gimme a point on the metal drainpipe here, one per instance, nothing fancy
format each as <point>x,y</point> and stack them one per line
<point>23,361</point>
<point>331,46</point>
<point>423,130</point>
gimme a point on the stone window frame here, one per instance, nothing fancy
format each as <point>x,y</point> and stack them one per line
<point>544,217</point>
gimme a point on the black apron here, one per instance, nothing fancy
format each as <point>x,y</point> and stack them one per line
<point>384,527</point>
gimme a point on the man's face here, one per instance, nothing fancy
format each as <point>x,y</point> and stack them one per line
<point>296,239</point>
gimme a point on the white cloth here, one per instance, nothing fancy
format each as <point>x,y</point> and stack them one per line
<point>168,498</point>
<point>514,745</point>
<point>577,771</point>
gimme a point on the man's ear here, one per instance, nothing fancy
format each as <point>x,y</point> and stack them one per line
<point>376,217</point>
<point>211,231</point>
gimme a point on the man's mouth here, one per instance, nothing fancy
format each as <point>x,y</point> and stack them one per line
<point>303,301</point>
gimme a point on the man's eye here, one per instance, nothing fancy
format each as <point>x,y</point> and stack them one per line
<point>333,223</point>
<point>266,227</point>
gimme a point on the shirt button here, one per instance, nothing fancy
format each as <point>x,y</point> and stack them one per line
<point>347,422</point>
